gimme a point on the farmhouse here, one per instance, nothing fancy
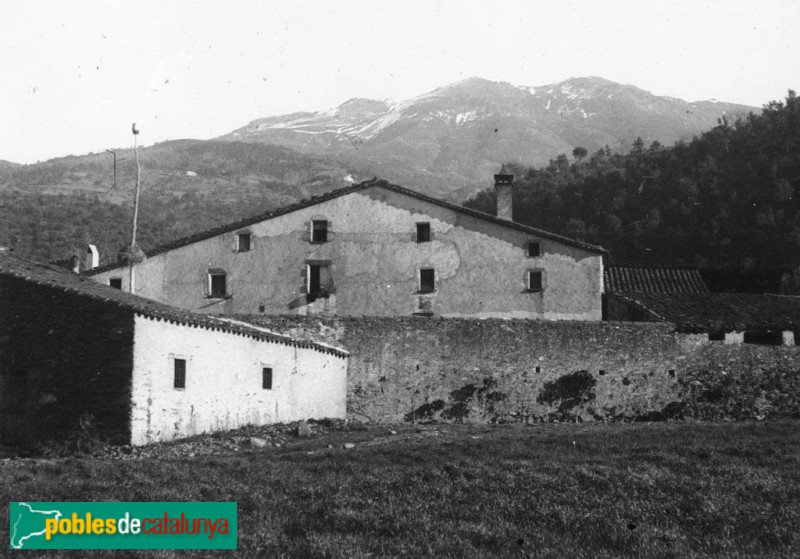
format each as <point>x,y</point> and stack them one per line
<point>375,249</point>
<point>79,356</point>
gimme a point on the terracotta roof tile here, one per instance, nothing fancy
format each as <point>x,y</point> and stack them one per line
<point>653,279</point>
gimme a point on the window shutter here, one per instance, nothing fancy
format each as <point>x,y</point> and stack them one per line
<point>306,236</point>
<point>304,276</point>
<point>330,231</point>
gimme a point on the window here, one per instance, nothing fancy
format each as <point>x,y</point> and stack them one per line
<point>423,232</point>
<point>716,336</point>
<point>318,282</point>
<point>427,280</point>
<point>115,283</point>
<point>243,242</point>
<point>180,373</point>
<point>217,283</point>
<point>266,378</point>
<point>319,231</point>
<point>535,280</point>
<point>534,249</point>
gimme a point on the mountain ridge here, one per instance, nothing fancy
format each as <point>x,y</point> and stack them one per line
<point>452,138</point>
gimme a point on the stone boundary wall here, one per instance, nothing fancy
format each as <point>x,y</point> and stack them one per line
<point>494,370</point>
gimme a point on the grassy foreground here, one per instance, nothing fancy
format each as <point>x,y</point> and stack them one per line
<point>638,490</point>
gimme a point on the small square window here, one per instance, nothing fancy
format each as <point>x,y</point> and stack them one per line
<point>217,283</point>
<point>534,249</point>
<point>266,378</point>
<point>319,231</point>
<point>716,336</point>
<point>427,280</point>
<point>243,242</point>
<point>535,282</point>
<point>180,373</point>
<point>116,283</point>
<point>423,232</point>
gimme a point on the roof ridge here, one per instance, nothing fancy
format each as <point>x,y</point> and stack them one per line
<point>305,203</point>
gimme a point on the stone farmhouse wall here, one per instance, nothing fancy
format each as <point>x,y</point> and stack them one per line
<point>372,263</point>
<point>416,369</point>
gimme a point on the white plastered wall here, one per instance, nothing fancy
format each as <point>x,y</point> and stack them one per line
<point>224,382</point>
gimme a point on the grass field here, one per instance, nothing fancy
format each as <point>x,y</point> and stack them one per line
<point>637,490</point>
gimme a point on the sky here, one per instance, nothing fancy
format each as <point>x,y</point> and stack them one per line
<point>75,74</point>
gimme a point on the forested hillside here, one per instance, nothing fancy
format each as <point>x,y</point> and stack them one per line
<point>729,199</point>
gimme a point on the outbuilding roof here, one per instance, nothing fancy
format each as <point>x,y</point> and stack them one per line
<point>344,192</point>
<point>642,278</point>
<point>718,312</point>
<point>56,278</point>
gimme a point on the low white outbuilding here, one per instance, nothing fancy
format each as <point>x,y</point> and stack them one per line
<point>189,380</point>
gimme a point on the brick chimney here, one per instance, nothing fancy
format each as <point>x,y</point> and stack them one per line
<point>503,186</point>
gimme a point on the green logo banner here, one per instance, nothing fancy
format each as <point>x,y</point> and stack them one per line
<point>135,525</point>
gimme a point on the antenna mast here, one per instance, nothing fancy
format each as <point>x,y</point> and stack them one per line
<point>133,252</point>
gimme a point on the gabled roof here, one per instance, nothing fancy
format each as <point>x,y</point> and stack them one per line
<point>641,278</point>
<point>344,192</point>
<point>56,278</point>
<point>718,312</point>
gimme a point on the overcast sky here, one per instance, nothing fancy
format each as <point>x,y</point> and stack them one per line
<point>76,74</point>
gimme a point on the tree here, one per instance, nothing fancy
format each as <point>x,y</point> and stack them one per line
<point>579,153</point>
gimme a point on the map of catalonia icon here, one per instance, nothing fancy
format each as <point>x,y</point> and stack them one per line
<point>28,522</point>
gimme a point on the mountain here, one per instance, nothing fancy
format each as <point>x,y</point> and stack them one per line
<point>450,141</point>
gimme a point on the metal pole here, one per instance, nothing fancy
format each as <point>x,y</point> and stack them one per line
<point>132,252</point>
